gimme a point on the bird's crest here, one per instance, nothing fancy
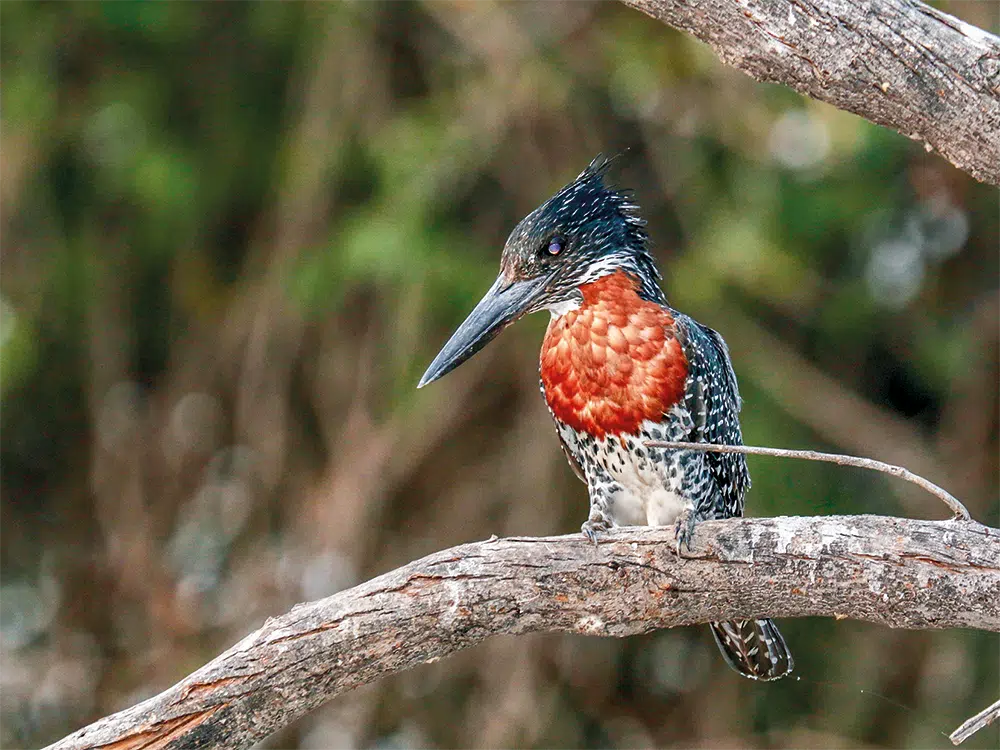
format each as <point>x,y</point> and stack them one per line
<point>591,189</point>
<point>599,166</point>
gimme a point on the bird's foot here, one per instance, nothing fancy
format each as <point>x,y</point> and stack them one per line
<point>684,530</point>
<point>598,523</point>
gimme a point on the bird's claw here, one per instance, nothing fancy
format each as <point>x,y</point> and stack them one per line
<point>684,530</point>
<point>597,524</point>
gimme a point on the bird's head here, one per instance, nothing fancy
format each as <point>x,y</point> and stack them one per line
<point>584,232</point>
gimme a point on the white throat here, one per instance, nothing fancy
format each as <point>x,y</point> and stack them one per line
<point>558,309</point>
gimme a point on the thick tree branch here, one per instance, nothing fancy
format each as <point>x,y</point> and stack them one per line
<point>898,63</point>
<point>896,572</point>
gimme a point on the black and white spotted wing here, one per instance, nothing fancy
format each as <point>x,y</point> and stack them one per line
<point>713,400</point>
<point>754,648</point>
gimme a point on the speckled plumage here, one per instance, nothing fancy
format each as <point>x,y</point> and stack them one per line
<point>624,477</point>
<point>620,367</point>
<point>613,362</point>
<point>628,483</point>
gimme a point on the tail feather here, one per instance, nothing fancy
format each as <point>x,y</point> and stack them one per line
<point>754,648</point>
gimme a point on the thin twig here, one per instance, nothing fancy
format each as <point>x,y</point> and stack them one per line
<point>972,725</point>
<point>960,511</point>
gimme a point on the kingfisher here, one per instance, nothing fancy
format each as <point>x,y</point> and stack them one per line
<point>619,367</point>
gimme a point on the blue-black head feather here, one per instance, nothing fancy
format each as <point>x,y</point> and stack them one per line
<point>584,232</point>
<point>597,229</point>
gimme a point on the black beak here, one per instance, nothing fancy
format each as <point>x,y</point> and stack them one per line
<point>504,303</point>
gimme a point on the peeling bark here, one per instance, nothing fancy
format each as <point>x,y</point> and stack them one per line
<point>898,63</point>
<point>896,572</point>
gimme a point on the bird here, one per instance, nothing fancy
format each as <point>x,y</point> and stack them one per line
<point>619,367</point>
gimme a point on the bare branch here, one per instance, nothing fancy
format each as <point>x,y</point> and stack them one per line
<point>898,63</point>
<point>960,511</point>
<point>970,726</point>
<point>900,573</point>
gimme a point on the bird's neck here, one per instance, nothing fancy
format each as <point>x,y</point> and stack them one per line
<point>636,265</point>
<point>614,361</point>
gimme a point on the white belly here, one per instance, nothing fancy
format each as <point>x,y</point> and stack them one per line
<point>646,489</point>
<point>645,497</point>
<point>646,507</point>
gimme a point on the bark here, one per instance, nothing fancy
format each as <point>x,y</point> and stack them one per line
<point>898,63</point>
<point>896,572</point>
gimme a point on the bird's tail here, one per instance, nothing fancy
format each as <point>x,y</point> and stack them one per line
<point>754,648</point>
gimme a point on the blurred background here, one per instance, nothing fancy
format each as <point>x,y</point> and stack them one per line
<point>235,234</point>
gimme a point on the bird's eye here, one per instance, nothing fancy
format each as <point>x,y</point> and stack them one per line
<point>555,246</point>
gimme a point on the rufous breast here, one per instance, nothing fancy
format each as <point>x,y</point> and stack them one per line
<point>613,362</point>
